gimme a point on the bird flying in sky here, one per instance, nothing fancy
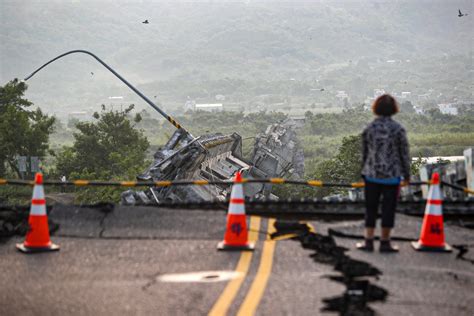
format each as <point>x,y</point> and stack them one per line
<point>146,22</point>
<point>461,14</point>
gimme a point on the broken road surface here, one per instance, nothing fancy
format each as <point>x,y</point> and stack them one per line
<point>142,260</point>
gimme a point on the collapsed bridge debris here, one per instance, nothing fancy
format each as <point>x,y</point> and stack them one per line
<point>216,156</point>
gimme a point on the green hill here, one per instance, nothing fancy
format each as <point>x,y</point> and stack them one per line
<point>240,49</point>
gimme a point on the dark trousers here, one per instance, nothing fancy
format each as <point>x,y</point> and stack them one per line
<point>373,193</point>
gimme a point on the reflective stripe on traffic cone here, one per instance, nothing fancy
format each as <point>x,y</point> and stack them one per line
<point>432,230</point>
<point>37,237</point>
<point>236,234</point>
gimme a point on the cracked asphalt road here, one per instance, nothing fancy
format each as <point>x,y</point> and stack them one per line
<point>109,263</point>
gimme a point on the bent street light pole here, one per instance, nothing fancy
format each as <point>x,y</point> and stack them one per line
<point>166,116</point>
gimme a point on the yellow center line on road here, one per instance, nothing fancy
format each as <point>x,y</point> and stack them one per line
<point>225,300</point>
<point>311,227</point>
<point>254,295</point>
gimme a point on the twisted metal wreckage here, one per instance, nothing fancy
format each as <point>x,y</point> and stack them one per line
<point>276,153</point>
<point>213,157</point>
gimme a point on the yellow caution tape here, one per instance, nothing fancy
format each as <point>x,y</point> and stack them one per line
<point>128,183</point>
<point>277,180</point>
<point>469,191</point>
<point>162,183</point>
<point>81,182</point>
<point>201,182</point>
<point>242,181</point>
<point>315,183</point>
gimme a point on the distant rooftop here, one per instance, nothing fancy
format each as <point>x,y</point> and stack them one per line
<point>432,160</point>
<point>208,105</point>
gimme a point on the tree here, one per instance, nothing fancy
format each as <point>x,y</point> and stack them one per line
<point>23,132</point>
<point>107,148</point>
<point>345,167</point>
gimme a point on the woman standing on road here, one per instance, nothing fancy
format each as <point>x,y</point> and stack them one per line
<point>386,162</point>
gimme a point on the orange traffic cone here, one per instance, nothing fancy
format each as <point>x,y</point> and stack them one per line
<point>432,231</point>
<point>236,235</point>
<point>37,237</point>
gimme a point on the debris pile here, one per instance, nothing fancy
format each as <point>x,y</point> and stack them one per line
<point>214,157</point>
<point>277,152</point>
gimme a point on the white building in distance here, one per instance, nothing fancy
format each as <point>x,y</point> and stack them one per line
<point>189,105</point>
<point>406,95</point>
<point>448,108</point>
<point>209,107</point>
<point>341,95</point>
<point>220,97</point>
<point>419,110</point>
<point>78,115</point>
<point>378,93</point>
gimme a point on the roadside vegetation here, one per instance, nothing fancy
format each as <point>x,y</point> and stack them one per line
<point>109,147</point>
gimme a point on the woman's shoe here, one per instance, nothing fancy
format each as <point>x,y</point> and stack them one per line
<point>386,246</point>
<point>367,245</point>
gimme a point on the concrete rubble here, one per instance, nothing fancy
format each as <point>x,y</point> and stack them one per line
<point>215,157</point>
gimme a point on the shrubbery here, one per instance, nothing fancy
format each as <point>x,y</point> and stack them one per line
<point>109,148</point>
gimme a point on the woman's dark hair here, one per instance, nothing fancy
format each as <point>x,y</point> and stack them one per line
<point>385,105</point>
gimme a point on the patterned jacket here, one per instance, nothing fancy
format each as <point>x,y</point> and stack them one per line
<point>385,150</point>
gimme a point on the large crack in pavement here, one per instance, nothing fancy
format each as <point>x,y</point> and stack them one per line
<point>355,275</point>
<point>105,209</point>
<point>14,221</point>
<point>153,279</point>
<point>463,250</point>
